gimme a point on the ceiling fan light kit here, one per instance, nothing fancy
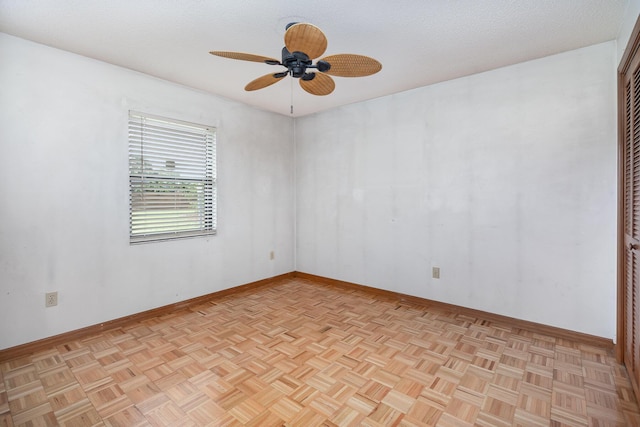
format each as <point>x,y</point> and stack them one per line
<point>302,44</point>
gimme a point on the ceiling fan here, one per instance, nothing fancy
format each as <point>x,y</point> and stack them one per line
<point>302,44</point>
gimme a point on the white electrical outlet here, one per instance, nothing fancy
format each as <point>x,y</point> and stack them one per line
<point>51,299</point>
<point>272,255</point>
<point>435,272</point>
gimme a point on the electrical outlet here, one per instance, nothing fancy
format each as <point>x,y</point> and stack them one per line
<point>435,272</point>
<point>272,255</point>
<point>51,299</point>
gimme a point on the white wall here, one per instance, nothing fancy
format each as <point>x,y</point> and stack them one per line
<point>64,195</point>
<point>505,180</point>
<point>630,17</point>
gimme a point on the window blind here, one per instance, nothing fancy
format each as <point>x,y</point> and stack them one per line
<point>172,179</point>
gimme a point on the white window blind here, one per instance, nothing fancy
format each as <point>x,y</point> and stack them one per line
<point>172,179</point>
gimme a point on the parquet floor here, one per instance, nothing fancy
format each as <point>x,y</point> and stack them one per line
<point>304,354</point>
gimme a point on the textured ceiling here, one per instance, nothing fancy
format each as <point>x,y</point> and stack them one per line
<point>418,42</point>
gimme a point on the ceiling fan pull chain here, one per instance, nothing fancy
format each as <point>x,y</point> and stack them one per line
<point>291,97</point>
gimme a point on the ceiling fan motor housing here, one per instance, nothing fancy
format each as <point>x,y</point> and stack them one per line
<point>296,62</point>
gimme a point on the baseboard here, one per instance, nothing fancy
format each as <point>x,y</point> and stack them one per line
<point>49,342</point>
<point>539,328</point>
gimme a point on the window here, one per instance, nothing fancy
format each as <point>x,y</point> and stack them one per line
<point>172,179</point>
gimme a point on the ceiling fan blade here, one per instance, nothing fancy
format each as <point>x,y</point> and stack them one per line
<point>321,84</point>
<point>264,81</point>
<point>245,57</point>
<point>305,38</point>
<point>349,65</point>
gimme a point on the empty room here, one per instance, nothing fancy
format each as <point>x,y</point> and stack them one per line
<point>297,213</point>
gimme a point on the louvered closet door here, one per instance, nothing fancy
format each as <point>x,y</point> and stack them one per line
<point>630,114</point>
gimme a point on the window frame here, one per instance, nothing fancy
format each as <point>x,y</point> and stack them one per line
<point>172,179</point>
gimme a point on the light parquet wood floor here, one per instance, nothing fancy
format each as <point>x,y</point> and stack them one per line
<point>304,354</point>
